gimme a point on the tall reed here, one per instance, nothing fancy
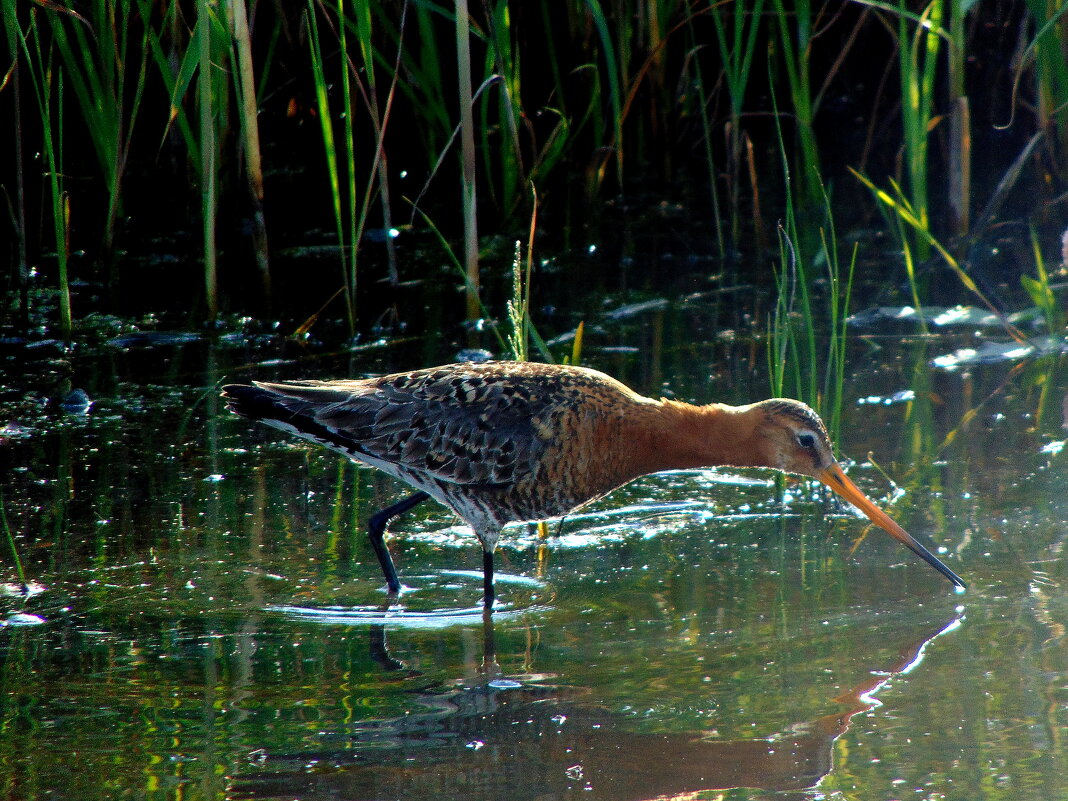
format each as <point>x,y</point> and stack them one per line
<point>1048,50</point>
<point>737,25</point>
<point>247,114</point>
<point>796,364</point>
<point>208,105</point>
<point>795,50</point>
<point>613,74</point>
<point>13,83</point>
<point>101,64</point>
<point>48,84</point>
<point>379,173</point>
<point>918,55</point>
<point>346,248</point>
<point>960,123</point>
<point>499,133</point>
<point>708,128</point>
<point>468,187</point>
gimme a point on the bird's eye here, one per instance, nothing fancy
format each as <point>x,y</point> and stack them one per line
<point>806,440</point>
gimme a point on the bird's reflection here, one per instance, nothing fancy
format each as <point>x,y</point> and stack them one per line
<point>504,739</point>
<point>381,656</point>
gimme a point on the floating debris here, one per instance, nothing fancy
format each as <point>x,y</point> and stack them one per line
<point>941,316</point>
<point>152,339</point>
<point>23,619</point>
<point>77,402</point>
<point>995,352</point>
<point>901,396</point>
<point>637,308</point>
<point>12,430</point>
<point>17,590</point>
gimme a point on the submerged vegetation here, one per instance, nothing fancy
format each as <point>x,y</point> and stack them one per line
<point>345,126</point>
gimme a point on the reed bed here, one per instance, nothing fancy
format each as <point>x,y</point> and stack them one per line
<point>440,116</point>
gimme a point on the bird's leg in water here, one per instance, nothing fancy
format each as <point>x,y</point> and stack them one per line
<point>487,578</point>
<point>376,529</point>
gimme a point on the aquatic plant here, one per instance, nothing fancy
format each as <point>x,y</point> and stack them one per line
<point>248,115</point>
<point>346,248</point>
<point>796,327</point>
<point>1047,49</point>
<point>105,67</point>
<point>588,99</point>
<point>736,35</point>
<point>11,544</point>
<point>1041,292</point>
<point>518,309</point>
<point>918,55</point>
<point>212,90</point>
<point>903,214</point>
<point>48,84</point>
<point>794,32</point>
<point>468,175</point>
<point>521,329</point>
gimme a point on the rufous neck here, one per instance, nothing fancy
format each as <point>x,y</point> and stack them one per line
<point>681,436</point>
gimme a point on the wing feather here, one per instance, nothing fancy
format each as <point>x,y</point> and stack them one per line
<point>481,427</point>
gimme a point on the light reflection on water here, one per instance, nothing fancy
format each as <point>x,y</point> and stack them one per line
<point>227,637</point>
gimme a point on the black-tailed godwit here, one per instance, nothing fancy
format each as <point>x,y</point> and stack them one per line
<point>500,442</point>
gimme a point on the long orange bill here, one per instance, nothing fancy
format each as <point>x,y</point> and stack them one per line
<point>834,478</point>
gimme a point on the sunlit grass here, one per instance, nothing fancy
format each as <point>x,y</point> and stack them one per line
<point>793,29</point>
<point>736,28</point>
<point>1038,287</point>
<point>918,53</point>
<point>799,362</point>
<point>1047,48</point>
<point>212,89</point>
<point>346,248</point>
<point>592,101</point>
<point>905,217</point>
<point>107,77</point>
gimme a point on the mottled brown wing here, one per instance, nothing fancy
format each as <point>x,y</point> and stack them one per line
<point>478,427</point>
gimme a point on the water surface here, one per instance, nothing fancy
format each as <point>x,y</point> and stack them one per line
<point>211,623</point>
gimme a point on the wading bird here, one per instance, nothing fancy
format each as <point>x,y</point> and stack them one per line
<point>500,442</point>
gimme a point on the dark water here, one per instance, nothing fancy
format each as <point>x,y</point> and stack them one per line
<point>210,622</point>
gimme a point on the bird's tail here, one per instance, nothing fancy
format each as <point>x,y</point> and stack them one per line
<point>253,402</point>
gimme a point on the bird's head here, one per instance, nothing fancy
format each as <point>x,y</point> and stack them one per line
<point>791,437</point>
<point>794,439</point>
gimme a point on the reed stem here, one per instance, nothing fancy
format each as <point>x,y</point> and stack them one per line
<point>43,71</point>
<point>468,190</point>
<point>248,114</point>
<point>208,151</point>
<point>11,544</point>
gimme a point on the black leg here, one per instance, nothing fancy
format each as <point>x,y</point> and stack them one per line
<point>380,653</point>
<point>489,645</point>
<point>487,578</point>
<point>376,529</point>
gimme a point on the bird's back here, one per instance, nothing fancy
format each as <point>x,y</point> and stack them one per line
<point>498,441</point>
